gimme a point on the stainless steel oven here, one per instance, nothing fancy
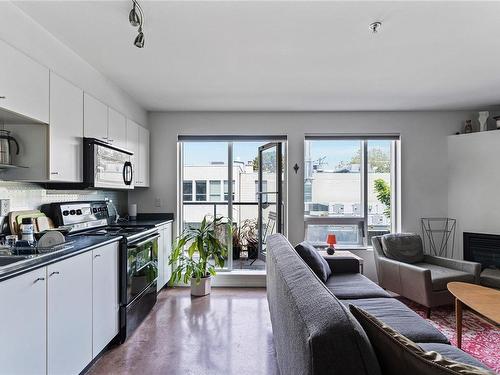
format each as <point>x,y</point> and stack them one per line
<point>106,166</point>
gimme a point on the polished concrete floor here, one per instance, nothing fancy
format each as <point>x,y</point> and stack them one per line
<point>228,332</point>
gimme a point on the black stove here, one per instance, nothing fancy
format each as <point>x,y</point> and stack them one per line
<point>138,260</point>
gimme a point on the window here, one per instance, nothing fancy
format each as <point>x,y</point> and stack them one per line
<point>264,188</point>
<point>226,190</point>
<point>349,188</point>
<point>201,190</point>
<point>215,190</point>
<point>187,191</point>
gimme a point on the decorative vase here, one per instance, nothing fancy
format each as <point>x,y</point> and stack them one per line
<point>202,288</point>
<point>483,120</point>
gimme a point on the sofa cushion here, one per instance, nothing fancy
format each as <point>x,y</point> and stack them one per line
<point>354,286</point>
<point>451,352</point>
<point>399,355</point>
<point>490,277</point>
<point>403,247</point>
<point>312,331</point>
<point>314,260</point>
<point>400,317</point>
<point>441,276</point>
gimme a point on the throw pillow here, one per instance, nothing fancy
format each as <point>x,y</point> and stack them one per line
<point>403,247</point>
<point>399,355</point>
<point>314,260</point>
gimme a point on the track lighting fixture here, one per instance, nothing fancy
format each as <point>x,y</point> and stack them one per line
<point>375,26</point>
<point>136,18</point>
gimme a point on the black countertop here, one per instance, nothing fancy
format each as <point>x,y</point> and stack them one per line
<point>80,244</point>
<point>156,219</point>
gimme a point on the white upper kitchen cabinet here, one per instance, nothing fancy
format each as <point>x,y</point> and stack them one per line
<point>143,157</point>
<point>22,339</point>
<point>95,118</point>
<point>117,129</point>
<point>24,84</point>
<point>105,310</point>
<point>66,131</point>
<point>69,311</point>
<point>133,145</point>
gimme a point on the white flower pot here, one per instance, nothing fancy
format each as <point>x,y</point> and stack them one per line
<point>202,288</point>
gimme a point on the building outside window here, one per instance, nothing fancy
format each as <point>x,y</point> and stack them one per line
<point>201,190</point>
<point>226,190</point>
<point>215,190</point>
<point>349,188</point>
<point>187,191</point>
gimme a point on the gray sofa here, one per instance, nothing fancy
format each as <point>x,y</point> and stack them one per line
<point>421,277</point>
<point>313,330</point>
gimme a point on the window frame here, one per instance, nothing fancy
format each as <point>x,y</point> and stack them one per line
<point>216,197</point>
<point>184,183</point>
<point>361,221</point>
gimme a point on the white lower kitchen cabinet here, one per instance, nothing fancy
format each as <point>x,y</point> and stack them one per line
<point>69,313</point>
<point>23,323</point>
<point>105,296</point>
<point>164,251</point>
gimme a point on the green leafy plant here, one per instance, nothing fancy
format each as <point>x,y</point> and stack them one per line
<point>383,191</point>
<point>203,245</point>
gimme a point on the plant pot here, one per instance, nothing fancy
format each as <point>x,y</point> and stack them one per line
<point>202,288</point>
<point>236,252</point>
<point>253,252</point>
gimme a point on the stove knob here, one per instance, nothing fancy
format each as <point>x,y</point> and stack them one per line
<point>78,212</point>
<point>65,213</point>
<point>72,212</point>
<point>94,210</point>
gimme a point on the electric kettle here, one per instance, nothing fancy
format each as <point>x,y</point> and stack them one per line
<point>5,139</point>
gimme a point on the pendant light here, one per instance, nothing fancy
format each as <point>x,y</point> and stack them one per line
<point>136,18</point>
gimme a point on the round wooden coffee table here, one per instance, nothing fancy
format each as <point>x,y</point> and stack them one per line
<point>483,301</point>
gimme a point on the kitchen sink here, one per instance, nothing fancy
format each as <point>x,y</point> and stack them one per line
<point>9,259</point>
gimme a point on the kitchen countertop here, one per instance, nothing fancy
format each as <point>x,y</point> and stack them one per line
<point>80,245</point>
<point>156,219</point>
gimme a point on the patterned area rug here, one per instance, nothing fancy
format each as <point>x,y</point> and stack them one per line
<point>479,339</point>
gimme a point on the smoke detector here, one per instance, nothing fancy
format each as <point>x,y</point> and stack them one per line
<point>375,27</point>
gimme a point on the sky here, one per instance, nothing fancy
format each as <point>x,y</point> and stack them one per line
<point>202,153</point>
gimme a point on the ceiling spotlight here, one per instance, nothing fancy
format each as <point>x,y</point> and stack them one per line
<point>375,26</point>
<point>136,18</point>
<point>133,17</point>
<point>139,39</point>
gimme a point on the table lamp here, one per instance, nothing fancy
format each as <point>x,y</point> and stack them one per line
<point>331,240</point>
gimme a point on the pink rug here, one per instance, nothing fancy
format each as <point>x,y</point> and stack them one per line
<point>479,339</point>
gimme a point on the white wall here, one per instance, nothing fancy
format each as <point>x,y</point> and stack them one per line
<point>424,153</point>
<point>474,184</point>
<point>23,33</point>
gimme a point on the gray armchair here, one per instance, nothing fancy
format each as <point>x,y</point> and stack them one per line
<point>403,268</point>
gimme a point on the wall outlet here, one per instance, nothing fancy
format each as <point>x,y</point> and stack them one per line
<point>157,202</point>
<point>4,207</point>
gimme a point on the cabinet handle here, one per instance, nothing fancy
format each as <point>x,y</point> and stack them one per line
<point>54,172</point>
<point>97,256</point>
<point>3,97</point>
<point>54,273</point>
<point>38,279</point>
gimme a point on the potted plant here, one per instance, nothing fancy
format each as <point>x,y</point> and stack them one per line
<point>205,251</point>
<point>248,233</point>
<point>237,242</point>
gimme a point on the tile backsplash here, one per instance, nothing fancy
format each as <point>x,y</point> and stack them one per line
<point>28,196</point>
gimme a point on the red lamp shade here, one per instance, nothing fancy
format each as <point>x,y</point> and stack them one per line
<point>331,239</point>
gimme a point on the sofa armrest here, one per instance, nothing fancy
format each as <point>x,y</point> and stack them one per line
<point>343,265</point>
<point>405,279</point>
<point>473,268</point>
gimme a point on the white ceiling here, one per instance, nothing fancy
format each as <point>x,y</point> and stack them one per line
<point>289,55</point>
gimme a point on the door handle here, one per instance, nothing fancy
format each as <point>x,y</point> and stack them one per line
<point>97,256</point>
<point>54,273</point>
<point>39,279</point>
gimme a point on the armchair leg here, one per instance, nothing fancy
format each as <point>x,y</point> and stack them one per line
<point>428,313</point>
